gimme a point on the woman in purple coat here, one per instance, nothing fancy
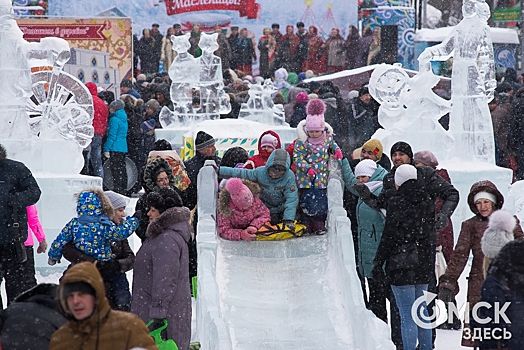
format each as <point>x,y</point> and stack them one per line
<point>161,274</point>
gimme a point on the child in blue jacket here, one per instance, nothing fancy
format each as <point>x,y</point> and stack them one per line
<point>93,231</point>
<point>277,184</point>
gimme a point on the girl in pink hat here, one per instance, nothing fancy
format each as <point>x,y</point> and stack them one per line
<point>311,154</point>
<point>240,212</point>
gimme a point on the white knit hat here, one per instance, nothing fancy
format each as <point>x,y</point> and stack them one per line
<point>365,167</point>
<point>485,195</point>
<point>404,173</point>
<point>499,232</point>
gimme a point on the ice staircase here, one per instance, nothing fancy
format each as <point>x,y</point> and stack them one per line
<point>300,293</point>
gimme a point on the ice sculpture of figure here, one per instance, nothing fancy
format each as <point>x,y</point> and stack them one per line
<point>260,107</point>
<point>213,100</point>
<point>473,82</point>
<point>184,74</point>
<point>410,110</point>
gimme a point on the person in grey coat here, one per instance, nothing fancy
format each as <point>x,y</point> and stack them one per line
<point>161,288</point>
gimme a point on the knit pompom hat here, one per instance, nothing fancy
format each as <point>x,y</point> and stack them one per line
<point>315,115</point>
<point>240,194</point>
<point>365,167</point>
<point>302,97</point>
<point>499,232</point>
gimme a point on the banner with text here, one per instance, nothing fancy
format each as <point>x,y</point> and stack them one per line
<point>246,8</point>
<point>506,11</point>
<point>109,35</point>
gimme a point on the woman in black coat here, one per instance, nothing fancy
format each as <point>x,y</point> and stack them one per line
<point>504,284</point>
<point>407,253</point>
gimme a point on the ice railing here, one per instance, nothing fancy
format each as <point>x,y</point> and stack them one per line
<point>211,328</point>
<point>226,317</point>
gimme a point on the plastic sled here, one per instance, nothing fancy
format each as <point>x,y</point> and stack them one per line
<point>168,344</point>
<point>279,232</point>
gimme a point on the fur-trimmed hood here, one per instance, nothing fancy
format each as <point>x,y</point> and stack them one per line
<point>93,202</point>
<point>302,134</point>
<point>170,217</point>
<point>484,186</point>
<point>151,172</point>
<point>224,197</point>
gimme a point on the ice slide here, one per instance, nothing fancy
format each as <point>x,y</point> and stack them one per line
<point>301,293</point>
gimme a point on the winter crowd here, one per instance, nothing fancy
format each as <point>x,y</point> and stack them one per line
<point>297,52</point>
<point>399,206</point>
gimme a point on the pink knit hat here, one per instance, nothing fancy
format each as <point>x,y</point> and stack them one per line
<point>302,97</point>
<point>241,195</point>
<point>269,140</point>
<point>315,115</point>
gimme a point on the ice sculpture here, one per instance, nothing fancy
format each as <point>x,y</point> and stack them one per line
<point>184,74</point>
<point>260,107</point>
<point>203,74</point>
<point>46,116</point>
<point>473,81</point>
<point>410,110</point>
<point>213,99</point>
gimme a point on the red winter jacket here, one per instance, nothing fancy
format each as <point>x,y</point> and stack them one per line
<point>260,159</point>
<point>101,113</point>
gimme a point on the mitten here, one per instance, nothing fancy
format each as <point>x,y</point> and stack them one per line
<point>362,190</point>
<point>42,247</point>
<point>377,273</point>
<point>311,173</point>
<point>290,224</point>
<point>246,236</point>
<point>251,229</point>
<point>338,155</point>
<point>109,268</point>
<point>445,294</point>
<point>53,261</point>
<point>441,221</point>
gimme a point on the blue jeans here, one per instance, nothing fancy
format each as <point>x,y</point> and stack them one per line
<point>405,297</point>
<point>120,291</point>
<point>95,156</point>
